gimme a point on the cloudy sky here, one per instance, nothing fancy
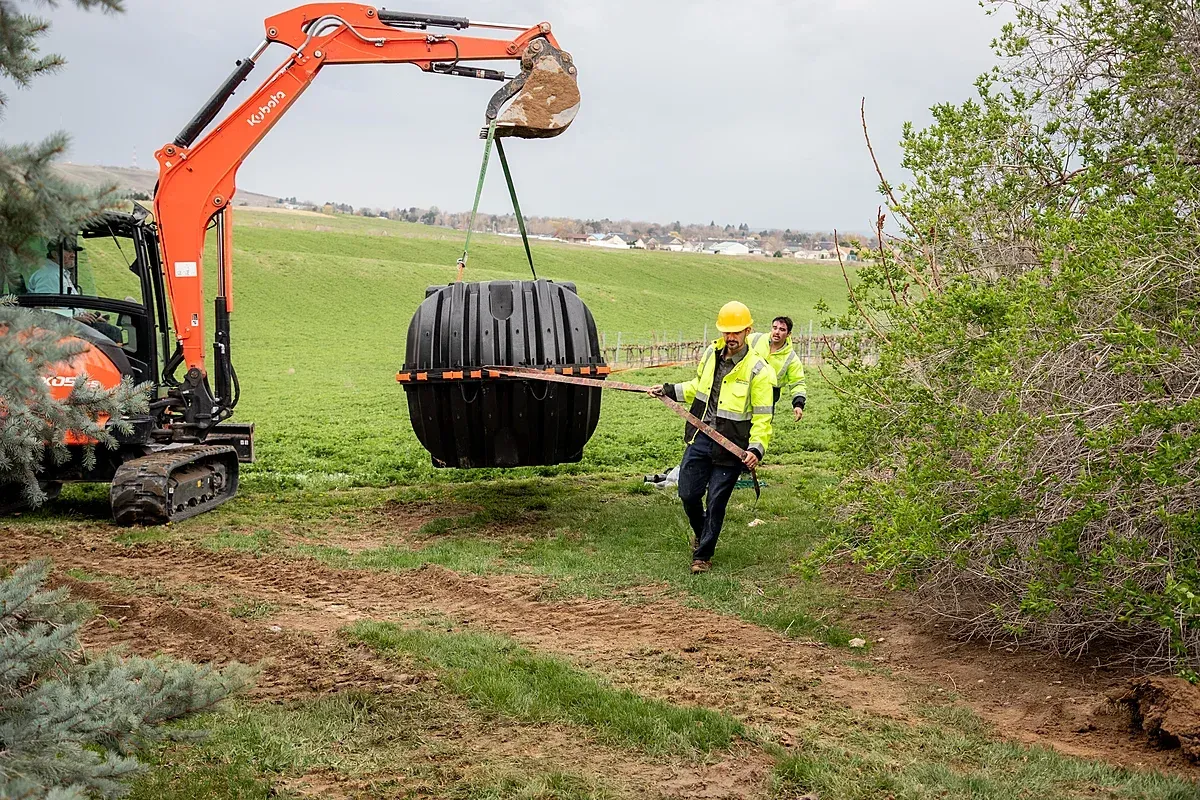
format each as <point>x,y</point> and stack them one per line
<point>697,110</point>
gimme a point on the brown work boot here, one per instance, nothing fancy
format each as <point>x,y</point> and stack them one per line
<point>699,566</point>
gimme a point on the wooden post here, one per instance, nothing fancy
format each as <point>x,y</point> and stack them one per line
<point>617,360</point>
<point>679,355</point>
<point>810,339</point>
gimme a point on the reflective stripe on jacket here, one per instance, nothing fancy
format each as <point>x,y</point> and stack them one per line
<point>744,405</point>
<point>789,372</point>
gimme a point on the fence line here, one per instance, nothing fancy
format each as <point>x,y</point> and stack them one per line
<point>810,347</point>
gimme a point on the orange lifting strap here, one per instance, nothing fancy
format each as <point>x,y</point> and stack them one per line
<point>409,376</point>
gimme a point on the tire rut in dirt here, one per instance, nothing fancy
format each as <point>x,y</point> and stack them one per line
<point>293,664</point>
<point>746,670</point>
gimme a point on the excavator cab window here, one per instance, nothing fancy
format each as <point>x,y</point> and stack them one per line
<point>96,279</point>
<point>106,268</point>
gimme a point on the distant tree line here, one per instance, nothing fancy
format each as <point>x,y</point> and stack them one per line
<point>772,239</point>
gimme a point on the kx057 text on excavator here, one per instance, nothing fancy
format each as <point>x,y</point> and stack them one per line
<point>182,458</point>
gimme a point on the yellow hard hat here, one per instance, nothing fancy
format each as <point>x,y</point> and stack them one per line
<point>733,317</point>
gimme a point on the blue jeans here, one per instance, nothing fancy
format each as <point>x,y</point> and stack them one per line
<point>698,475</point>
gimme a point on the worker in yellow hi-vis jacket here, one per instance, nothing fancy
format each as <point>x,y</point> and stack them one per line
<point>776,347</point>
<point>733,391</point>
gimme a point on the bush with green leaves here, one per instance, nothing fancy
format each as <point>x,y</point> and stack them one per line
<point>1019,411</point>
<point>69,725</point>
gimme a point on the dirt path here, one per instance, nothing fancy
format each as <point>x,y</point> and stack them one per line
<point>661,648</point>
<point>179,607</point>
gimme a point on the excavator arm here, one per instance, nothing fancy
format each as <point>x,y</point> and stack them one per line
<point>197,175</point>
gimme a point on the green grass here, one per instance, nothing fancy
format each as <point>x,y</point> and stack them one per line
<point>497,675</point>
<point>406,742</point>
<point>249,744</point>
<point>949,753</point>
<point>520,786</point>
<point>321,312</point>
<point>243,608</point>
<point>402,744</point>
<point>257,542</point>
<point>385,745</point>
<point>599,538</point>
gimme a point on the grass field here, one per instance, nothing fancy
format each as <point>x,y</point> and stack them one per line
<point>535,633</point>
<point>322,310</point>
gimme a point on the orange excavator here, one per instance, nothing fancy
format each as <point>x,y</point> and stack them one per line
<point>182,458</point>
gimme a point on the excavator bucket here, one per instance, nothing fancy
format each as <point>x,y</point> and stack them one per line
<point>545,96</point>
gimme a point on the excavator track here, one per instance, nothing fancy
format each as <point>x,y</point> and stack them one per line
<point>172,485</point>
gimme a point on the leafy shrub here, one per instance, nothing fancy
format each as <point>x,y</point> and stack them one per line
<point>1018,412</point>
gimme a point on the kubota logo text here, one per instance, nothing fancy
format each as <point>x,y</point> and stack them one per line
<point>67,381</point>
<point>263,110</point>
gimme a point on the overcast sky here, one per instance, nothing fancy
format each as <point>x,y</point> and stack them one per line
<point>697,110</point>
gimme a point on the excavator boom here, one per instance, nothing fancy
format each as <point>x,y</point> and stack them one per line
<point>197,173</point>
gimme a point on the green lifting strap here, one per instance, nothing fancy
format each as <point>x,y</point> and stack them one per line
<point>487,154</point>
<point>512,192</point>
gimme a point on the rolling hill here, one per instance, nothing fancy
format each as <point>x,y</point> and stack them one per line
<point>131,179</point>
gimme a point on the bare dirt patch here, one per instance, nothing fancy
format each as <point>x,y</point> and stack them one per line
<point>398,524</point>
<point>660,648</point>
<point>189,626</point>
<point>300,653</point>
<point>391,524</point>
<point>1167,709</point>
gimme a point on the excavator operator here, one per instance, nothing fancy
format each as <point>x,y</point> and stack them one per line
<point>54,277</point>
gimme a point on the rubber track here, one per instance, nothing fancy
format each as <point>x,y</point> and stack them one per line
<point>139,488</point>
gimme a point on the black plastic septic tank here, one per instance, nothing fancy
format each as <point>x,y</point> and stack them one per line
<point>467,420</point>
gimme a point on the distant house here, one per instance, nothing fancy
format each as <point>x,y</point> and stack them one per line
<point>611,240</point>
<point>828,251</point>
<point>636,242</point>
<point>573,238</point>
<point>808,255</point>
<point>729,249</point>
<point>666,241</point>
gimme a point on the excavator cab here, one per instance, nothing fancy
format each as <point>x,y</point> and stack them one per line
<point>106,285</point>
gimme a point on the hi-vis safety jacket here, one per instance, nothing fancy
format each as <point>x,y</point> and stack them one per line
<point>744,404</point>
<point>789,372</point>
